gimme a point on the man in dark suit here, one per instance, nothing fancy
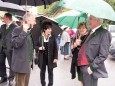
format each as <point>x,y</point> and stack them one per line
<point>94,52</point>
<point>5,47</point>
<point>22,55</point>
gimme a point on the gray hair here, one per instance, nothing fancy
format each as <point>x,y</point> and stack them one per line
<point>27,16</point>
<point>100,19</point>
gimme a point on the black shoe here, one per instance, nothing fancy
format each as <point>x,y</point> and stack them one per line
<point>3,79</point>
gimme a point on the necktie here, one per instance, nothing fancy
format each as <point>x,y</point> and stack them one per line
<point>88,36</point>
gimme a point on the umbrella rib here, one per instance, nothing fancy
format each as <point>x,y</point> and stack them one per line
<point>63,18</point>
<point>74,20</point>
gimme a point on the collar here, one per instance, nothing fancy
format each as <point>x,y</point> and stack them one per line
<point>46,40</point>
<point>8,24</point>
<point>93,30</point>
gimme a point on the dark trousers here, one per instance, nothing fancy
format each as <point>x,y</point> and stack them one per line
<point>3,55</point>
<point>88,80</point>
<point>50,75</point>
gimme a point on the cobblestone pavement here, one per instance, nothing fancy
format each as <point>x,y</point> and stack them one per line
<point>62,76</point>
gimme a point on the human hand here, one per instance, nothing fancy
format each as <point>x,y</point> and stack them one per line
<point>55,61</point>
<point>75,45</point>
<point>72,46</point>
<point>89,71</point>
<point>42,48</point>
<point>78,41</point>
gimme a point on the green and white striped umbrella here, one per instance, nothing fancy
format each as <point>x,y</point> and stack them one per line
<point>71,18</point>
<point>97,8</point>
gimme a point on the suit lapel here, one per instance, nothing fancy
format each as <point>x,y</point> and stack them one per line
<point>94,34</point>
<point>50,39</point>
<point>10,27</point>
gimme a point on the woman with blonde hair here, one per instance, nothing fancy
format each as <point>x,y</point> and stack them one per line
<point>81,35</point>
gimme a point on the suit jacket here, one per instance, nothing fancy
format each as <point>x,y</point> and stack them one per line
<point>97,50</point>
<point>20,55</point>
<point>52,51</point>
<point>8,36</point>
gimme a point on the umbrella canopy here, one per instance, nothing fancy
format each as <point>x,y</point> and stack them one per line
<point>36,31</point>
<point>5,6</point>
<point>97,8</point>
<point>31,2</point>
<point>18,13</point>
<point>71,18</point>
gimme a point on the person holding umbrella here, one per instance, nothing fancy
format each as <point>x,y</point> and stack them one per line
<point>94,52</point>
<point>6,48</point>
<point>22,55</point>
<point>47,53</point>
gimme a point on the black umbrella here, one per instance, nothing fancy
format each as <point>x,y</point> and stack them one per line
<point>37,30</point>
<point>31,2</point>
<point>18,13</point>
<point>10,7</point>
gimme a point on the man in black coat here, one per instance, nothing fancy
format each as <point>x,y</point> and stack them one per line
<point>6,48</point>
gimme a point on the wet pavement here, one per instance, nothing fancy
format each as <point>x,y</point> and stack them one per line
<point>62,76</point>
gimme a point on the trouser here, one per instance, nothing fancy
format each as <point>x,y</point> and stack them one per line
<point>22,79</point>
<point>50,75</point>
<point>88,80</point>
<point>3,55</point>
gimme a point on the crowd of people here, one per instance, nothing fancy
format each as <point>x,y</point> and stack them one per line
<point>88,49</point>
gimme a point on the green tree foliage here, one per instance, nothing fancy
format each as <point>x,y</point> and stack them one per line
<point>112,3</point>
<point>49,9</point>
<point>53,9</point>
